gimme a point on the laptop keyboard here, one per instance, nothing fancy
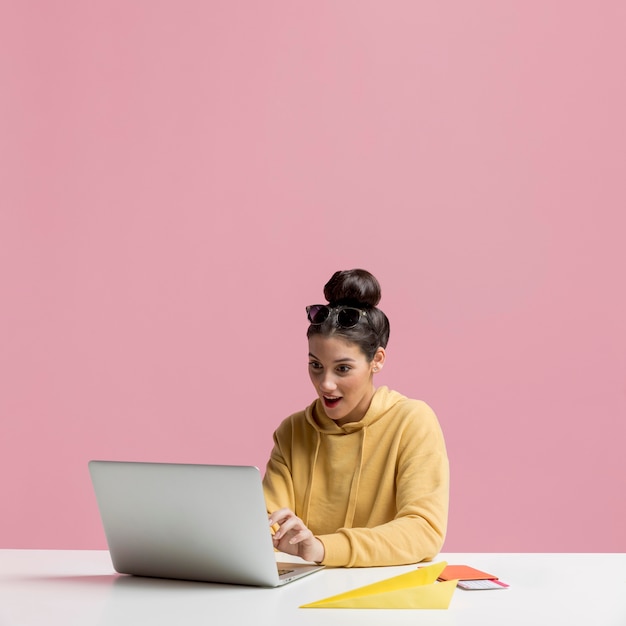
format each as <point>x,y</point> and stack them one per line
<point>283,570</point>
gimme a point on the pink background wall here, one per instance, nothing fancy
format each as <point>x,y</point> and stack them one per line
<point>179,179</point>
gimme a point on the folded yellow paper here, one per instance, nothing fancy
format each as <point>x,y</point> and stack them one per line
<point>413,590</point>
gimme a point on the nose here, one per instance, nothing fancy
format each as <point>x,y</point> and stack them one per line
<point>327,383</point>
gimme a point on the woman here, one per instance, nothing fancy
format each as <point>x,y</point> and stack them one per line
<point>360,477</point>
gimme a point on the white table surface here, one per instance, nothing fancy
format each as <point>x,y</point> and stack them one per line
<point>65,587</point>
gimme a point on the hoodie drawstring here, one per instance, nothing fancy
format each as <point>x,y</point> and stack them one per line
<point>354,487</point>
<point>307,500</point>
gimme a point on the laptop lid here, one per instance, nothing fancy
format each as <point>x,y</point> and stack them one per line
<point>193,522</point>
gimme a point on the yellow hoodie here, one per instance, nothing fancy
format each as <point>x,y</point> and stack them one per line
<point>375,492</point>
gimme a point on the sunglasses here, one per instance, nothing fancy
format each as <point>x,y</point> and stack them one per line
<point>346,316</point>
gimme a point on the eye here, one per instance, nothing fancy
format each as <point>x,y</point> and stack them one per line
<point>315,365</point>
<point>343,369</point>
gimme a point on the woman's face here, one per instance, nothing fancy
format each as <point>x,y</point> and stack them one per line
<point>342,377</point>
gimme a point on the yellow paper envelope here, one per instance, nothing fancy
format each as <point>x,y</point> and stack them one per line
<point>413,590</point>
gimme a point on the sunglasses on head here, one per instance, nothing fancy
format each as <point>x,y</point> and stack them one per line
<point>346,316</point>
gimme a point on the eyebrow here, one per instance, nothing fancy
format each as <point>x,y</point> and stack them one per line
<point>343,360</point>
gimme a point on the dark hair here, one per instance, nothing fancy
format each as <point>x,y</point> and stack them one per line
<point>360,289</point>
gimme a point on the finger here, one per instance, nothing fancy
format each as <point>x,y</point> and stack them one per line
<point>300,536</point>
<point>291,525</point>
<point>278,517</point>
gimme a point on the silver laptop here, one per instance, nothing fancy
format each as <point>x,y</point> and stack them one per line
<point>191,522</point>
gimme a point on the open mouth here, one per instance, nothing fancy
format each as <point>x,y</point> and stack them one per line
<point>330,402</point>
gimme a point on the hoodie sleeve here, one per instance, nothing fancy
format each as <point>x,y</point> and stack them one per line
<point>417,531</point>
<point>278,481</point>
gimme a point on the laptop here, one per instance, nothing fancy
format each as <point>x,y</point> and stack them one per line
<point>191,522</point>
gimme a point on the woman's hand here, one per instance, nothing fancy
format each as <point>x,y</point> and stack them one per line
<point>293,537</point>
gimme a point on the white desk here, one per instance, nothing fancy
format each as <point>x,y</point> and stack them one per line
<point>66,588</point>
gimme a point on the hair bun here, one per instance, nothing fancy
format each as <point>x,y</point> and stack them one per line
<point>354,288</point>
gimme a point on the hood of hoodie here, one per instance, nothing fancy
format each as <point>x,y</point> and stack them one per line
<point>382,401</point>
